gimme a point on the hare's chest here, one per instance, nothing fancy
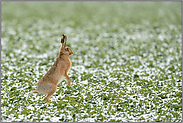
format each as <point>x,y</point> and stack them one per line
<point>61,79</point>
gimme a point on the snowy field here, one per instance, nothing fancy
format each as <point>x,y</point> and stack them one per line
<point>126,65</point>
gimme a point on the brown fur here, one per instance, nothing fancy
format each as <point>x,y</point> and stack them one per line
<point>48,83</point>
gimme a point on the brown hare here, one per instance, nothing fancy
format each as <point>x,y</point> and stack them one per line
<point>48,83</point>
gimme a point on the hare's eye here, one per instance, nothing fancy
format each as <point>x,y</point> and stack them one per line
<point>67,48</point>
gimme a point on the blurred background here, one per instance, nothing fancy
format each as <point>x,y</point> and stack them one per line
<point>87,21</point>
<point>84,13</point>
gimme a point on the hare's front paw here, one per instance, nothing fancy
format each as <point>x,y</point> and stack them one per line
<point>69,84</point>
<point>47,100</point>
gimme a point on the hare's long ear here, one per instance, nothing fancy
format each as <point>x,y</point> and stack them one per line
<point>63,40</point>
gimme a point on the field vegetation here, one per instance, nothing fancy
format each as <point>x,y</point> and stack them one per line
<point>126,66</point>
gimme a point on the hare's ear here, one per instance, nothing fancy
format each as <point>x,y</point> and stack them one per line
<point>63,40</point>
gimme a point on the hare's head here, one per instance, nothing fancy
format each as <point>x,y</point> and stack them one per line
<point>65,49</point>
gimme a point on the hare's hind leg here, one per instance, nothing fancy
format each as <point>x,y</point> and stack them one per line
<point>68,80</point>
<point>47,89</point>
<point>54,88</point>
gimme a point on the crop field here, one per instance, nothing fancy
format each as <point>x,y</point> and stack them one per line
<point>126,66</point>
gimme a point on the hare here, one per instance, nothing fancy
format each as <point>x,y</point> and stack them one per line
<point>48,83</point>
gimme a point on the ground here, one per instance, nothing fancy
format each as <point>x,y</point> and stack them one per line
<point>126,64</point>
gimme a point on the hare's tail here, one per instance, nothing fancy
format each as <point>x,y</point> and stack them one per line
<point>34,91</point>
